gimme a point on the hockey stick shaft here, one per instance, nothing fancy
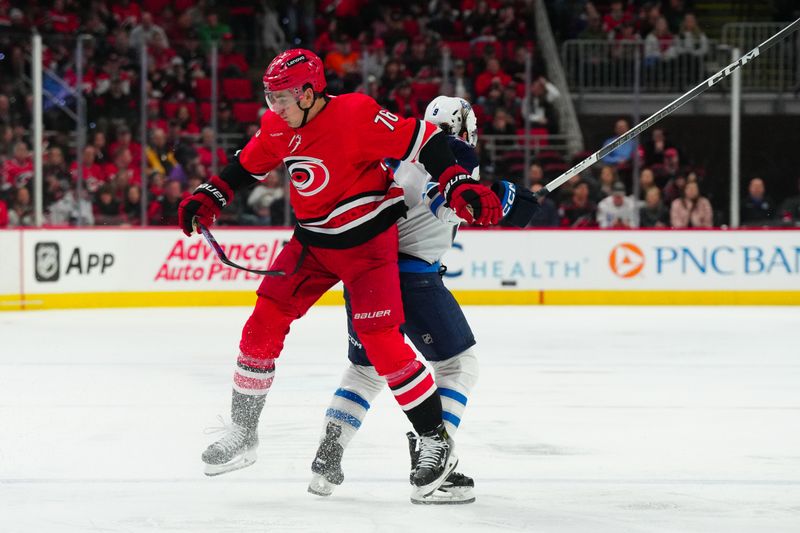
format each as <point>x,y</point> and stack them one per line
<point>667,110</point>
<point>224,258</point>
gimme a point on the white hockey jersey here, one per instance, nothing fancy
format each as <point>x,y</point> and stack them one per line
<point>428,230</point>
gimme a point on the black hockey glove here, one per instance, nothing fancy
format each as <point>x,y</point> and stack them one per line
<point>519,204</point>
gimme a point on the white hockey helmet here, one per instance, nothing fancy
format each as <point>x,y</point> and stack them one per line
<point>454,115</point>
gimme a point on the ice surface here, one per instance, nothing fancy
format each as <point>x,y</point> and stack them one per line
<point>586,419</point>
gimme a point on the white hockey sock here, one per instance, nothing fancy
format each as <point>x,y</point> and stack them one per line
<point>351,401</point>
<point>455,378</point>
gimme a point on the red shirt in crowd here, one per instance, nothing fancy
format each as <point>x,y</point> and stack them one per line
<point>18,173</point>
<point>93,176</point>
<point>3,214</point>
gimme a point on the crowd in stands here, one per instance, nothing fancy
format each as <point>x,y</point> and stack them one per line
<point>395,51</point>
<point>670,192</point>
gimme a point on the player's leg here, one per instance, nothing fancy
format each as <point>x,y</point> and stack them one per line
<point>350,403</point>
<point>281,300</point>
<point>372,278</point>
<point>436,325</point>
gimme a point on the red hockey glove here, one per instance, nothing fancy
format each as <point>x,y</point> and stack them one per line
<point>205,203</point>
<point>470,200</point>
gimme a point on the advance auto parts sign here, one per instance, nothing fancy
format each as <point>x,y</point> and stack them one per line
<point>196,261</point>
<point>153,260</point>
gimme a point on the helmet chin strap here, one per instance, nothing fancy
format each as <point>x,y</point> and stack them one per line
<point>306,110</point>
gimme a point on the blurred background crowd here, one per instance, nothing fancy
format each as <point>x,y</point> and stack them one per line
<point>401,53</point>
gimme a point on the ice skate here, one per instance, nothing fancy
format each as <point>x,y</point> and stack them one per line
<point>436,460</point>
<point>235,450</point>
<point>327,465</point>
<point>456,489</point>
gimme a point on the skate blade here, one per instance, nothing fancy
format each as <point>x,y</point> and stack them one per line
<point>320,486</point>
<point>243,461</point>
<point>447,496</point>
<point>426,490</point>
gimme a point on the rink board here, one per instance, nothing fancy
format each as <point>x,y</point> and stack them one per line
<point>65,268</point>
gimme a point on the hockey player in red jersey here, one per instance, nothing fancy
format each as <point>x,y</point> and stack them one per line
<point>346,206</point>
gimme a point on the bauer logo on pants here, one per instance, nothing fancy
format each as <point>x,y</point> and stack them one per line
<point>47,260</point>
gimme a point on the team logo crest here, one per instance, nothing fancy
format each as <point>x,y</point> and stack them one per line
<point>309,175</point>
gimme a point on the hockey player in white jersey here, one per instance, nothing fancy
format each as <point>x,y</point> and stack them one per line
<point>434,321</point>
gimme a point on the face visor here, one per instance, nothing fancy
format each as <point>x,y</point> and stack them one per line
<point>279,101</point>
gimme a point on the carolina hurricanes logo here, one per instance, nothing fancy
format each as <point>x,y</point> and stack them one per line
<point>308,174</point>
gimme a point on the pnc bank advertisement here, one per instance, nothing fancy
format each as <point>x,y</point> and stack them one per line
<point>492,266</point>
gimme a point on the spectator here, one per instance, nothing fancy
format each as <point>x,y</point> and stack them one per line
<point>542,112</point>
<point>674,12</point>
<point>205,150</point>
<point>621,154</point>
<point>403,102</point>
<point>617,210</point>
<point>393,75</point>
<point>692,45</point>
<point>757,208</point>
<point>547,215</point>
<point>480,18</point>
<point>492,76</point>
<point>225,121</point>
<point>655,146</point>
<point>653,214</point>
<point>125,12</point>
<point>212,30</point>
<point>186,122</point>
<point>54,163</point>
<point>100,149</point>
<point>594,26</point>
<point>229,61</point>
<point>273,39</point>
<point>107,209</point>
<point>421,60</point>
<point>615,17</point>
<point>608,177</point>
<point>21,213</point>
<point>535,175</point>
<point>18,171</point>
<point>70,210</point>
<point>647,180</point>
<point>122,173</point>
<point>659,45</point>
<point>164,211</point>
<point>125,140</point>
<point>94,175</point>
<point>579,211</point>
<point>263,199</point>
<point>147,32</point>
<point>132,204</point>
<point>160,157</point>
<point>692,210</point>
<point>462,84</point>
<point>671,168</point>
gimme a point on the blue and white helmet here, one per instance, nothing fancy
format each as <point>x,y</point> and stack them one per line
<point>455,116</point>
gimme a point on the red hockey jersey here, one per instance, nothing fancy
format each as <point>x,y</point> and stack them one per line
<point>342,193</point>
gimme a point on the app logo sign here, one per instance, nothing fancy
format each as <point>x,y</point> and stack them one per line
<point>626,260</point>
<point>46,259</point>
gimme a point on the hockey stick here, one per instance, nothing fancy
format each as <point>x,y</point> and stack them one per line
<point>224,258</point>
<point>666,110</point>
